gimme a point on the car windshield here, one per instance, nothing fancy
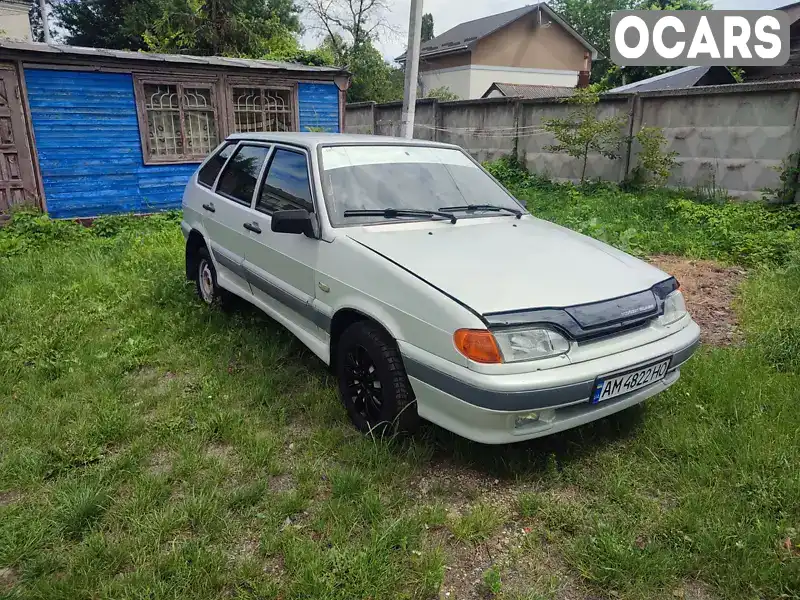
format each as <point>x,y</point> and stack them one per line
<point>407,178</point>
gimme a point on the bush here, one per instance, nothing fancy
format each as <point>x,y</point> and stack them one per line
<point>655,163</point>
<point>29,229</point>
<point>746,232</point>
<point>513,174</point>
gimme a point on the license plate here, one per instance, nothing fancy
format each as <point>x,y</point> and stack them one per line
<point>618,385</point>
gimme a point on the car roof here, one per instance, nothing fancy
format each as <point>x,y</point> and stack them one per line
<point>313,139</point>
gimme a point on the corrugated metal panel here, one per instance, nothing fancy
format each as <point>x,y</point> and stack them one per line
<point>319,106</point>
<point>87,137</point>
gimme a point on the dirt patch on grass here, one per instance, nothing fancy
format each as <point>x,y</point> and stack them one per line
<point>528,567</point>
<point>221,452</point>
<point>460,487</point>
<point>282,483</point>
<point>464,571</point>
<point>694,590</point>
<point>709,289</point>
<point>151,383</point>
<point>160,463</point>
<point>246,549</point>
<point>9,497</point>
<point>8,578</point>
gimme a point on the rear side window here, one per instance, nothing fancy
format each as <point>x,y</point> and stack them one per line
<point>238,180</point>
<point>208,174</point>
<point>286,186</point>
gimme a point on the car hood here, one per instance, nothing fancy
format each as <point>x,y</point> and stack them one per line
<point>501,264</point>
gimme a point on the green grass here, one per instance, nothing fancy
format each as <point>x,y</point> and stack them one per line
<point>478,523</point>
<point>153,448</point>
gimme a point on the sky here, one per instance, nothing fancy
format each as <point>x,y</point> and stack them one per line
<point>449,13</point>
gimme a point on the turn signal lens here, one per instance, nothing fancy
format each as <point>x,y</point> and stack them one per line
<point>478,345</point>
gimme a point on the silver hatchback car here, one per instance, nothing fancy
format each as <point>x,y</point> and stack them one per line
<point>428,288</point>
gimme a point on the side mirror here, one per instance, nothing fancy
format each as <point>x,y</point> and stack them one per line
<point>292,221</point>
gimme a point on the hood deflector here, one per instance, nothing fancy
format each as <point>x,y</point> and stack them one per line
<point>588,321</point>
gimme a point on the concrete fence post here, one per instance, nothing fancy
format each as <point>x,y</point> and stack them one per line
<point>435,119</point>
<point>437,122</point>
<point>634,111</point>
<point>515,139</point>
<point>794,154</point>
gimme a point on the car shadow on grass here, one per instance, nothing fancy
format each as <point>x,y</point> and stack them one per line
<point>537,456</point>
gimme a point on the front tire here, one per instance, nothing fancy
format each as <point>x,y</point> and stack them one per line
<point>373,384</point>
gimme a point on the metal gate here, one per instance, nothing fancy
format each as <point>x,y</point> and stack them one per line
<point>17,182</point>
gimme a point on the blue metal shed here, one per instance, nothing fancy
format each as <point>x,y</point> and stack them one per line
<point>99,132</point>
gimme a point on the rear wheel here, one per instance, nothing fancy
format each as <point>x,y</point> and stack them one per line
<point>372,381</point>
<point>206,280</point>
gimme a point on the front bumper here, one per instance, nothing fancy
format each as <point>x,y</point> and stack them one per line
<point>485,408</point>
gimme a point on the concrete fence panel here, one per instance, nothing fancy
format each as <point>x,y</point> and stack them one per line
<point>534,142</point>
<point>735,137</point>
<point>728,137</point>
<point>360,118</point>
<point>485,128</point>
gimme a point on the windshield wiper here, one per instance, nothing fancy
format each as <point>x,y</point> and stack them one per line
<point>483,207</point>
<point>392,213</point>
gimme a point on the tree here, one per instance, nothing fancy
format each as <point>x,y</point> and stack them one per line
<point>427,27</point>
<point>232,27</point>
<point>103,23</point>
<point>349,29</point>
<point>244,28</point>
<point>442,93</point>
<point>582,131</point>
<point>287,12</point>
<point>373,79</point>
<point>349,24</point>
<point>592,19</point>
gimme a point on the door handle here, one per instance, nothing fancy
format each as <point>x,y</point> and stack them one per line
<point>210,207</point>
<point>253,227</point>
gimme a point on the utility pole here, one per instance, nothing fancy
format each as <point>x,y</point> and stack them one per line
<point>412,68</point>
<point>45,22</point>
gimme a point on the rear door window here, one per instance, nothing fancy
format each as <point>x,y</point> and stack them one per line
<point>208,173</point>
<point>287,185</point>
<point>238,180</point>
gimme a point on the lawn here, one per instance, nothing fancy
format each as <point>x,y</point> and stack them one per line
<point>151,447</point>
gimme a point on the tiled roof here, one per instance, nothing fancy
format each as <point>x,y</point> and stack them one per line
<point>462,36</point>
<point>530,91</point>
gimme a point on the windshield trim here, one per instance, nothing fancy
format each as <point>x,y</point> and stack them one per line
<point>327,194</point>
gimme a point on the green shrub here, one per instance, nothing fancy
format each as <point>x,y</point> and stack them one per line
<point>29,229</point>
<point>508,171</point>
<point>655,163</point>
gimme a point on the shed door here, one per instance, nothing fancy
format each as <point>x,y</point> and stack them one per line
<point>17,184</point>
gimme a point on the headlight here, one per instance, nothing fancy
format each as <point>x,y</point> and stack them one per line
<point>511,345</point>
<point>674,308</point>
<point>529,344</point>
